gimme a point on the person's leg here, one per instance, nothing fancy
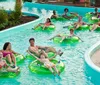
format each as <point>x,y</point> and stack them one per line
<point>54,37</point>
<point>77,26</point>
<point>64,37</point>
<point>44,27</point>
<point>38,25</point>
<point>9,58</point>
<point>51,70</point>
<point>56,70</point>
<point>9,69</point>
<point>94,27</point>
<point>51,49</point>
<point>13,59</point>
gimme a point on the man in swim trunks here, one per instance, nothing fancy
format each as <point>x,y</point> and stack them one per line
<point>37,49</point>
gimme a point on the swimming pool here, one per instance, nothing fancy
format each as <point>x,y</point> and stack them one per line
<point>73,57</point>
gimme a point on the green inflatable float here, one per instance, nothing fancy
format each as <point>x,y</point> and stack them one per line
<point>19,58</point>
<point>60,18</point>
<point>49,28</point>
<point>39,68</point>
<point>9,74</point>
<point>91,18</point>
<point>83,27</point>
<point>30,57</point>
<point>68,40</point>
<point>88,15</point>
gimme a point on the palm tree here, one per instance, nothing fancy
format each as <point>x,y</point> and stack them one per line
<point>18,7</point>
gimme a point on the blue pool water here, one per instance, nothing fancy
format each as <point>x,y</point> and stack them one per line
<point>73,57</point>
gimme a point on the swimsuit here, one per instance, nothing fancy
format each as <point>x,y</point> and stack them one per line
<point>7,53</point>
<point>48,64</point>
<point>47,24</point>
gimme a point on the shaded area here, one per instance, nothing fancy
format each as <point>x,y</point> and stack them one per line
<point>23,19</point>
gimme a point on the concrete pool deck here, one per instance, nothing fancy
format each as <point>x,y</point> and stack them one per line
<point>92,57</point>
<point>96,58</point>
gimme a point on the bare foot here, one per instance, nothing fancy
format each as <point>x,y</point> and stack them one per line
<point>17,70</point>
<point>60,53</point>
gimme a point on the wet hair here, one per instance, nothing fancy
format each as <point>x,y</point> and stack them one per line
<point>71,29</point>
<point>49,19</point>
<point>31,39</point>
<point>6,45</point>
<point>66,9</point>
<point>54,11</point>
<point>96,9</point>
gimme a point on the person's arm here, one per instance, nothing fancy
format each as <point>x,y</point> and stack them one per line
<point>55,36</point>
<point>52,57</point>
<point>31,50</point>
<point>33,55</point>
<point>75,14</point>
<point>14,52</point>
<point>41,47</point>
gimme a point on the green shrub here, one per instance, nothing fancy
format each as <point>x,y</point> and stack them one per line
<point>3,18</point>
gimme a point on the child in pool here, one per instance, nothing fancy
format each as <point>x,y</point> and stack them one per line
<point>64,37</point>
<point>79,23</point>
<point>95,26</point>
<point>46,24</point>
<point>54,16</point>
<point>3,65</point>
<point>47,63</point>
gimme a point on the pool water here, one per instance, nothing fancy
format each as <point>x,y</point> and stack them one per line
<point>73,57</point>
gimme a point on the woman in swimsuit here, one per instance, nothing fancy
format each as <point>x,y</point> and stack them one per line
<point>8,53</point>
<point>46,24</point>
<point>47,63</point>
<point>4,66</point>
